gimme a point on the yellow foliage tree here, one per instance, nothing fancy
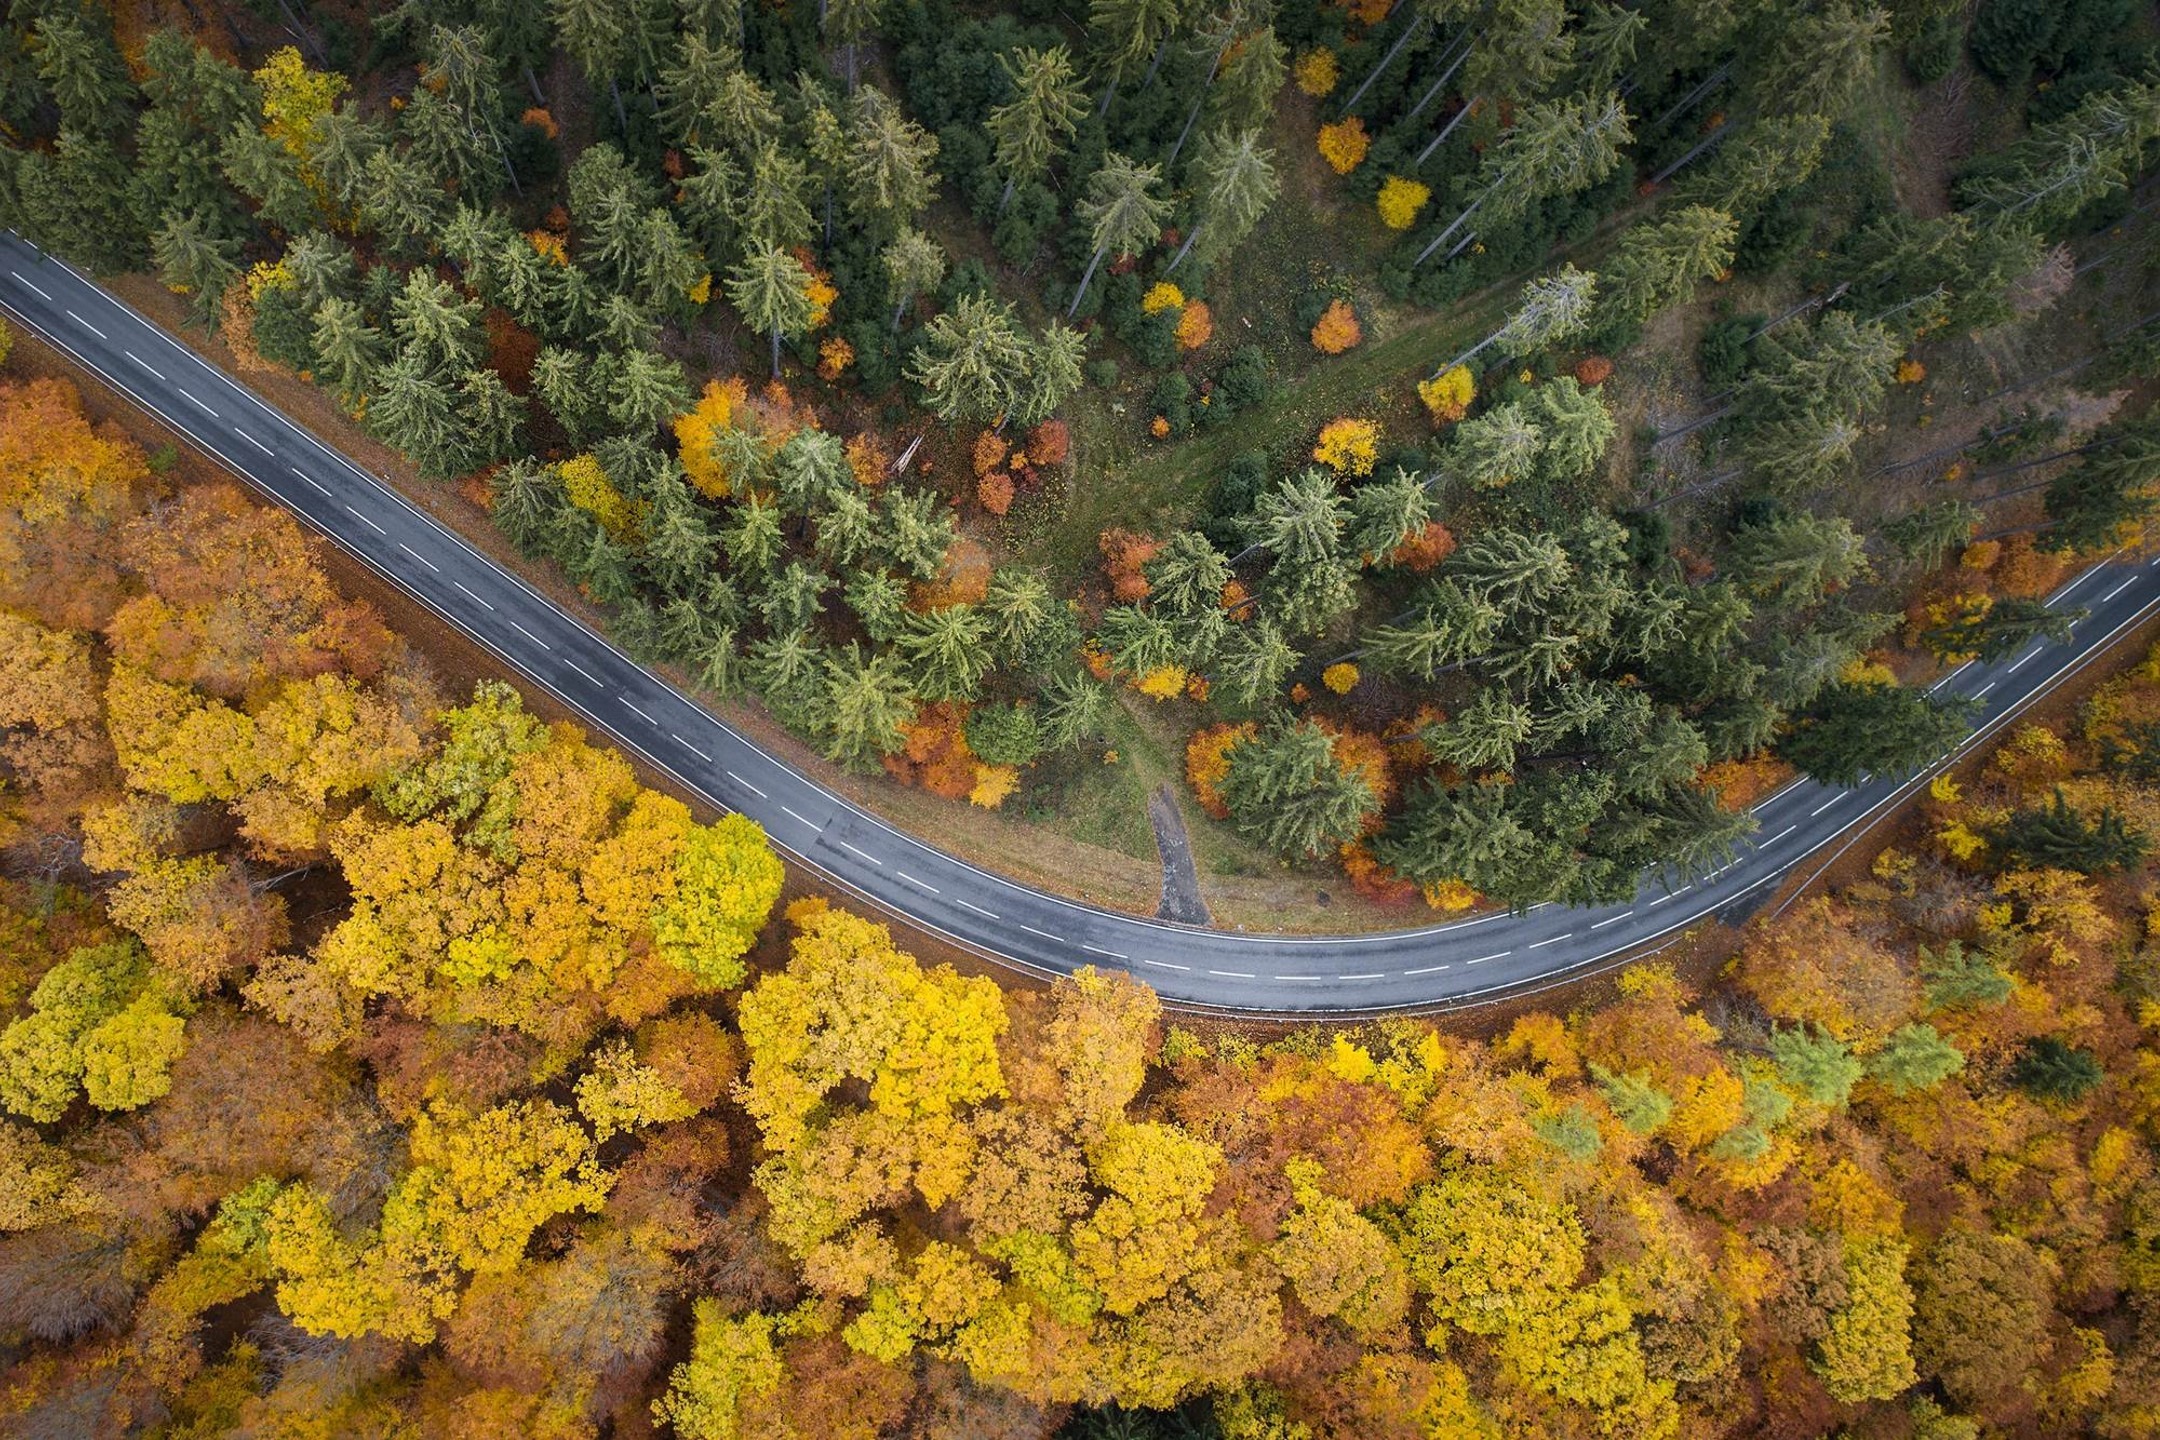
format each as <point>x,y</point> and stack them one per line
<point>1343,144</point>
<point>1400,201</point>
<point>1348,446</point>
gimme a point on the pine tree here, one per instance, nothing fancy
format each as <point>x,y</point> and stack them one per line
<point>1286,790</point>
<point>1854,730</point>
<point>80,65</point>
<point>890,174</point>
<point>914,263</point>
<point>195,261</point>
<point>347,349</point>
<point>947,653</point>
<point>1044,112</point>
<point>1661,261</point>
<point>770,289</point>
<point>972,361</point>
<point>1235,183</point>
<point>866,703</point>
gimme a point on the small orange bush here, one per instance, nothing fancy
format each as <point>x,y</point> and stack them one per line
<point>1592,371</point>
<point>1343,144</point>
<point>1050,443</point>
<point>1422,551</point>
<point>995,491</point>
<point>990,452</point>
<point>1196,326</point>
<point>1337,329</point>
<point>1123,553</point>
<point>834,357</point>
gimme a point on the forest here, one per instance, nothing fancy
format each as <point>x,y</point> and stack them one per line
<point>1467,451</point>
<point>382,1062</point>
<point>861,364</point>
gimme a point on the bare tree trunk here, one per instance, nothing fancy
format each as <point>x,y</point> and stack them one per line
<point>1449,129</point>
<point>1439,84</point>
<point>1409,33</point>
<point>1081,293</point>
<point>1186,248</point>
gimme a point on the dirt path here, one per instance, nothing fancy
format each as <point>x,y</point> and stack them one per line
<point>1181,899</point>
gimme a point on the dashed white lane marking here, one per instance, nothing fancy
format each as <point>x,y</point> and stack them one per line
<point>1033,931</point>
<point>862,853</point>
<point>31,283</point>
<point>468,594</point>
<point>811,823</point>
<point>1301,977</point>
<point>639,713</point>
<point>2023,658</point>
<point>1671,895</point>
<point>935,891</point>
<point>1834,799</point>
<point>1098,950</point>
<point>189,396</point>
<point>1483,958</point>
<point>251,440</point>
<point>1165,965</point>
<point>418,556</point>
<point>1777,837</point>
<point>1428,970</point>
<point>977,908</point>
<point>534,638</point>
<point>1376,975</point>
<point>1541,944</point>
<point>89,327</point>
<point>1612,920</point>
<point>690,747</point>
<point>582,671</point>
<point>1981,693</point>
<point>730,774</point>
<point>1233,974</point>
<point>319,486</point>
<point>142,362</point>
<point>2117,590</point>
<point>380,531</point>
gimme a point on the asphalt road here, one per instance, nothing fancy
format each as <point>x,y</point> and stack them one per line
<point>1001,919</point>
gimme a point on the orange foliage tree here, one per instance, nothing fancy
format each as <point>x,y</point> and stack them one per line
<point>1337,329</point>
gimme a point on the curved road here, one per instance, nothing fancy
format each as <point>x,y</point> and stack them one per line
<point>1006,921</point>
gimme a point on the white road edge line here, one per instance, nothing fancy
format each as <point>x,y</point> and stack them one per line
<point>690,747</point>
<point>864,854</point>
<point>90,327</point>
<point>730,774</point>
<point>380,531</point>
<point>460,585</point>
<point>418,556</point>
<point>934,890</point>
<point>532,637</point>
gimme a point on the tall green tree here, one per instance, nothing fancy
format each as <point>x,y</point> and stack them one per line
<point>770,289</point>
<point>1028,130</point>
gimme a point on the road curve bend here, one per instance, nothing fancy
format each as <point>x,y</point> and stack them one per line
<point>1430,967</point>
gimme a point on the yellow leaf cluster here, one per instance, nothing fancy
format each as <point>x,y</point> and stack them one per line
<point>1400,200</point>
<point>1317,72</point>
<point>993,784</point>
<point>1447,396</point>
<point>1348,446</point>
<point>1162,295</point>
<point>295,99</point>
<point>1165,682</point>
<point>1343,144</point>
<point>587,486</point>
<point>1341,677</point>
